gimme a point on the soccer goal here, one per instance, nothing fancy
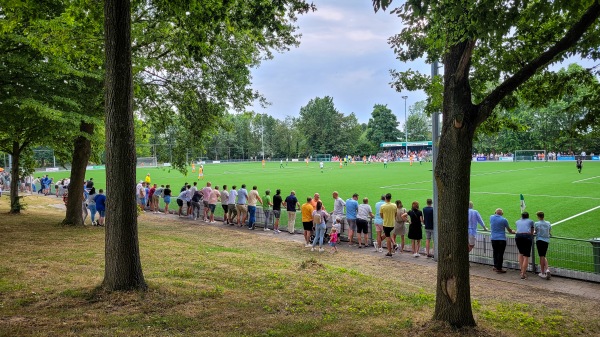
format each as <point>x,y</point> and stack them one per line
<point>530,155</point>
<point>146,162</point>
<point>322,157</point>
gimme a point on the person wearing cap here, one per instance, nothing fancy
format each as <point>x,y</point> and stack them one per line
<point>351,214</point>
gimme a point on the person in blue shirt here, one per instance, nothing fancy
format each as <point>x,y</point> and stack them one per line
<point>543,231</point>
<point>474,220</point>
<point>100,206</point>
<point>498,227</point>
<point>351,212</point>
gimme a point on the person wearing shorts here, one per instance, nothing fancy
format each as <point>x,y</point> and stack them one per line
<point>400,225</point>
<point>100,200</point>
<point>388,214</point>
<point>206,192</point>
<point>307,220</point>
<point>277,201</point>
<point>524,240</point>
<point>379,224</point>
<point>351,210</point>
<point>543,231</point>
<point>225,204</point>
<point>428,222</point>
<point>241,205</point>
<point>214,197</point>
<point>167,197</point>
<point>180,201</point>
<point>474,220</point>
<point>231,210</point>
<point>363,215</point>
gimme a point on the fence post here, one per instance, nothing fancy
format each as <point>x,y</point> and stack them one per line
<point>596,253</point>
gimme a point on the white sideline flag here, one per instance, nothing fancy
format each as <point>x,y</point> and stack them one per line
<point>522,203</point>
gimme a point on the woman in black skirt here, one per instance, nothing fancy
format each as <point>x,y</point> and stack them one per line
<point>415,233</point>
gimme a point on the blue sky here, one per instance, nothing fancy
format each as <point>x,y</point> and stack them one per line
<point>343,54</point>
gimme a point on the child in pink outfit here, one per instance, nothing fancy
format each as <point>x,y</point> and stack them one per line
<point>333,239</point>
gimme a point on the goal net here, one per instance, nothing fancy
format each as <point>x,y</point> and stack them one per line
<point>530,155</point>
<point>322,157</point>
<point>146,162</point>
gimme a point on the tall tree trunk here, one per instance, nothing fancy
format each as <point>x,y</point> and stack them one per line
<point>453,177</point>
<point>15,201</point>
<point>82,149</point>
<point>123,268</point>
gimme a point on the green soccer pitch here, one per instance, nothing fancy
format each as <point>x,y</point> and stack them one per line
<point>568,198</point>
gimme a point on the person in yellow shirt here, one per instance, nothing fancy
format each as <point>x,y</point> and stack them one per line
<point>388,214</point>
<point>263,163</point>
<point>200,172</point>
<point>411,159</point>
<point>147,180</point>
<point>307,220</point>
<point>341,162</point>
<point>193,167</point>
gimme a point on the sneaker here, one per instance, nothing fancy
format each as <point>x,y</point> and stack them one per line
<point>542,275</point>
<point>388,254</point>
<point>312,249</point>
<point>321,250</point>
<point>416,255</point>
<point>548,274</point>
<point>277,231</point>
<point>380,250</point>
<point>360,246</point>
<point>307,245</point>
<point>266,229</point>
<point>213,222</point>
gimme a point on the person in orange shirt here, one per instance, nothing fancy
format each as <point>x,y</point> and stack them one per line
<point>263,163</point>
<point>341,162</point>
<point>193,167</point>
<point>307,209</point>
<point>411,158</point>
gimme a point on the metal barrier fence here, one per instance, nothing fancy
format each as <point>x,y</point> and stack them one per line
<point>283,221</point>
<point>573,258</point>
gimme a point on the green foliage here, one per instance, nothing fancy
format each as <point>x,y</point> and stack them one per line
<point>382,126</point>
<point>418,124</point>
<point>326,130</point>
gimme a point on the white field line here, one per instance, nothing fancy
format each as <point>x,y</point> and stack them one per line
<point>405,184</point>
<point>504,171</point>
<point>473,175</point>
<point>578,181</point>
<point>539,195</point>
<point>576,215</point>
<point>513,194</point>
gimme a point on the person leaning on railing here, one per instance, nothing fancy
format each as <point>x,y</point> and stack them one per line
<point>498,227</point>
<point>524,240</point>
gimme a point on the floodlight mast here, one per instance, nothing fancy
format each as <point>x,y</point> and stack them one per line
<point>405,128</point>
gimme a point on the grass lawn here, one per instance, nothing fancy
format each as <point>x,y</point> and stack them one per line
<point>207,281</point>
<point>553,187</point>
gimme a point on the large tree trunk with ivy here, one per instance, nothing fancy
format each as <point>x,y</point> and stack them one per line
<point>15,201</point>
<point>82,149</point>
<point>123,268</point>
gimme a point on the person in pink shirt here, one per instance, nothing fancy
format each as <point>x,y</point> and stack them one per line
<point>206,191</point>
<point>214,197</point>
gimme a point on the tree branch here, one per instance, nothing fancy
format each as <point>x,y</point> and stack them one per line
<point>571,37</point>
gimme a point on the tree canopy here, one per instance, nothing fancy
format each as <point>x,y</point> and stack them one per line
<point>489,49</point>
